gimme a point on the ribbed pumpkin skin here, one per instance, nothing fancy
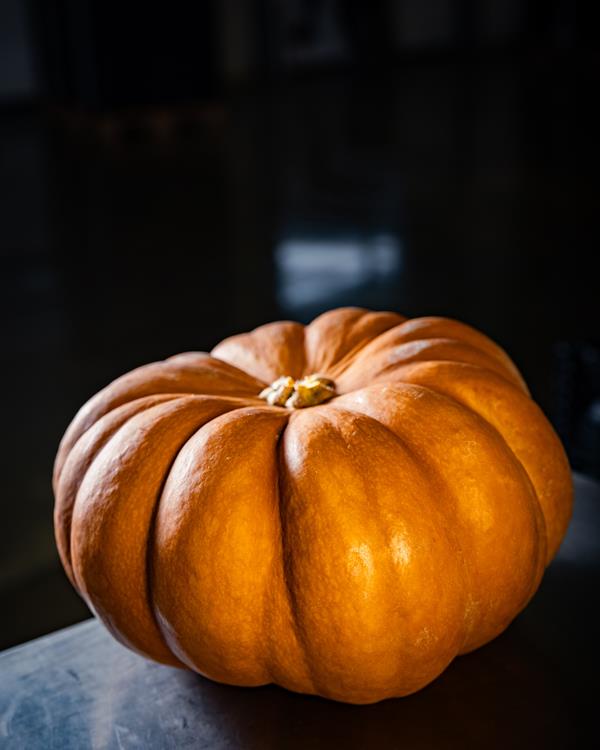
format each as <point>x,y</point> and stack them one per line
<point>350,549</point>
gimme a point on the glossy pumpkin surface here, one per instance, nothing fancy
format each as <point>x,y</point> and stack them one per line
<point>346,531</point>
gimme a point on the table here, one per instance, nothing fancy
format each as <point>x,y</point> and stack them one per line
<point>533,687</point>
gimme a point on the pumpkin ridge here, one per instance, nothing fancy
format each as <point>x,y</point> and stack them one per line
<point>463,333</point>
<point>500,367</point>
<point>180,527</point>
<point>486,362</point>
<point>471,410</point>
<point>402,365</point>
<point>540,518</point>
<point>251,351</point>
<point>340,367</point>
<point>65,552</point>
<point>342,364</point>
<point>164,376</point>
<point>400,656</point>
<point>494,429</point>
<point>480,416</point>
<point>417,459</point>
<point>80,582</point>
<point>426,329</point>
<point>289,590</point>
<point>539,515</point>
<point>503,366</point>
<point>151,538</point>
<point>149,546</point>
<point>170,396</point>
<point>151,541</point>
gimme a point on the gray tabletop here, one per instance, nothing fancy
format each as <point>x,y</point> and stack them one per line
<point>532,687</point>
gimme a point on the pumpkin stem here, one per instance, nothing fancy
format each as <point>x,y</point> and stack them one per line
<point>298,394</point>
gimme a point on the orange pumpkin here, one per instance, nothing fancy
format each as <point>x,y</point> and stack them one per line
<point>346,534</point>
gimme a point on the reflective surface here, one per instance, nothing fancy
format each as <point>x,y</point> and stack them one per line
<point>532,687</point>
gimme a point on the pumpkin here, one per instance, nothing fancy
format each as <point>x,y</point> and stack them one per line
<point>339,508</point>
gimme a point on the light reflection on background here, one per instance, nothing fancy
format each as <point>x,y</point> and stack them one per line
<point>313,270</point>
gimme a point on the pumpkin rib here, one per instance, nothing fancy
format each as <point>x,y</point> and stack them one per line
<point>347,361</point>
<point>150,542</point>
<point>66,497</point>
<point>474,411</point>
<point>153,379</point>
<point>417,459</point>
<point>267,352</point>
<point>193,532</point>
<point>383,364</point>
<point>415,363</point>
<point>426,328</point>
<point>338,320</point>
<point>434,386</point>
<point>340,367</point>
<point>285,563</point>
<point>406,366</point>
<point>333,521</point>
<point>103,517</point>
<point>492,363</point>
<point>501,437</point>
<point>537,512</point>
<point>487,361</point>
<point>149,549</point>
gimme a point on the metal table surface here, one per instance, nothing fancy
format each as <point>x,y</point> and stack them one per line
<point>532,687</point>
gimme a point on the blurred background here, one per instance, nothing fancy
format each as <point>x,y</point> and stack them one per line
<point>171,176</point>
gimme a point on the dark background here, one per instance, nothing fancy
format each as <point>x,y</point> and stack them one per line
<point>169,177</point>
